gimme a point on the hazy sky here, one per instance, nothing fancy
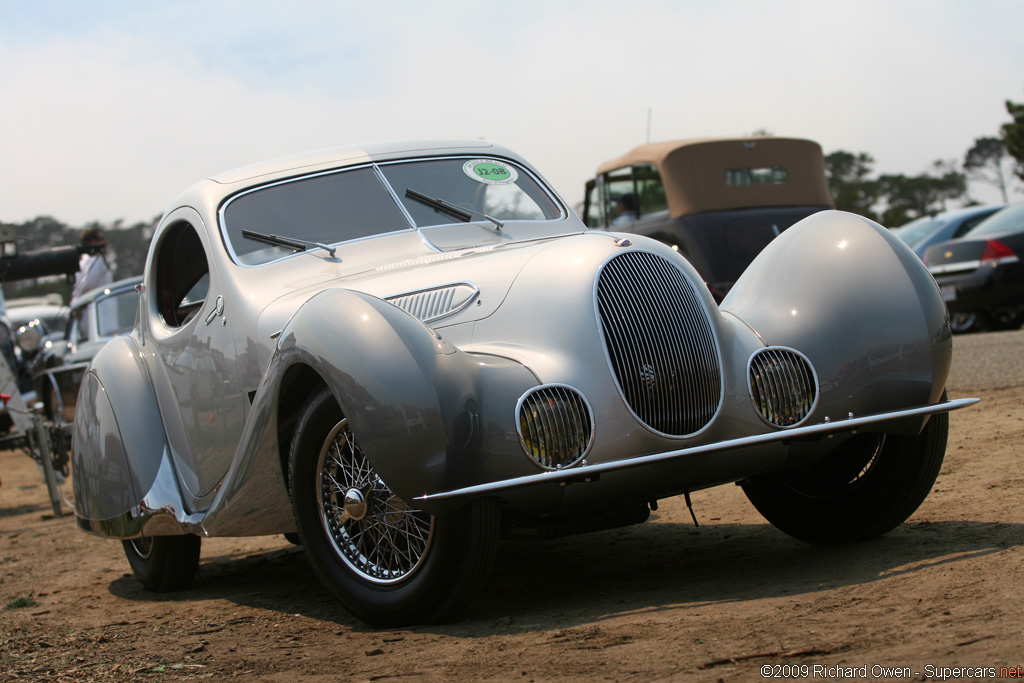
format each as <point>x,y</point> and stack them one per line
<point>110,109</point>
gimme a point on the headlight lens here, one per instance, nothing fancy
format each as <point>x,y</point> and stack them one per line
<point>29,337</point>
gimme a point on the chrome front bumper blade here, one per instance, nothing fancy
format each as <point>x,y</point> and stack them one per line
<point>589,472</point>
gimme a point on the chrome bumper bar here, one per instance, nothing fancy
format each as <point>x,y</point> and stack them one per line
<point>590,472</point>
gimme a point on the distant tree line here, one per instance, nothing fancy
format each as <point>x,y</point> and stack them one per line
<point>126,254</point>
<point>893,200</point>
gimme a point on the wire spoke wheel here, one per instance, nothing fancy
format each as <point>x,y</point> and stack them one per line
<point>386,561</point>
<point>377,534</point>
<point>143,547</point>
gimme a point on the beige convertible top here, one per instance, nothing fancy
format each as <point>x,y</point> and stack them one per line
<point>694,172</point>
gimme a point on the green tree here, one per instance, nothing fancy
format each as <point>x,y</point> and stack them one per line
<point>910,197</point>
<point>1013,135</point>
<point>847,175</point>
<point>985,162</point>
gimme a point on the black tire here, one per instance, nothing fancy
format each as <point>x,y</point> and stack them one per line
<point>428,569</point>
<point>1001,319</point>
<point>164,563</point>
<point>871,484</point>
<point>963,322</point>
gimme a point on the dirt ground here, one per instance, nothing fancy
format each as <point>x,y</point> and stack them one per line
<point>664,601</point>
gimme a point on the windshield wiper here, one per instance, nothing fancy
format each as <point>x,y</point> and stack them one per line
<point>290,242</point>
<point>449,208</point>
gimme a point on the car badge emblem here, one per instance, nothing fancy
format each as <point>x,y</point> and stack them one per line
<point>648,375</point>
<point>948,254</point>
<point>622,242</point>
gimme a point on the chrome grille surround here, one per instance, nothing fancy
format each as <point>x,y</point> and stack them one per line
<point>437,302</point>
<point>660,343</point>
<point>783,386</point>
<point>556,425</point>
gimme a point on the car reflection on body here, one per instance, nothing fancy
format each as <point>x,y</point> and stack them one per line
<point>95,317</point>
<point>404,352</point>
<point>982,271</point>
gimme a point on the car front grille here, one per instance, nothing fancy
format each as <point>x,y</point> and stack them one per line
<point>660,343</point>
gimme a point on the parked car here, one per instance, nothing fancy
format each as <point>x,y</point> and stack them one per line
<point>34,321</point>
<point>716,201</point>
<point>96,317</point>
<point>928,230</point>
<point>982,272</point>
<point>923,232</point>
<point>404,352</point>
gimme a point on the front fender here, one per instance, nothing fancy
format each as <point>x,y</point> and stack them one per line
<point>859,304</point>
<point>426,414</point>
<point>415,403</point>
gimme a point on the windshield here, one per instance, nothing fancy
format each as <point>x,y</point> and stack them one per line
<point>915,231</point>
<point>1008,220</point>
<point>361,202</point>
<point>116,313</point>
<point>329,208</point>
<point>483,187</point>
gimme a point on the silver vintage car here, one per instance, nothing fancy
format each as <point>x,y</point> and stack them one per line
<point>399,354</point>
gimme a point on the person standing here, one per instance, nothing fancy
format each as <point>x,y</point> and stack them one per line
<point>93,270</point>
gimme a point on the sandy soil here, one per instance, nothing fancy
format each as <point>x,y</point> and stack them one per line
<point>662,601</point>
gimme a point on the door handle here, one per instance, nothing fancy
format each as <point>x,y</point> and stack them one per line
<point>218,309</point>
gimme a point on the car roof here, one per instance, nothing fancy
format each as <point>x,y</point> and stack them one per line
<point>351,155</point>
<point>92,294</point>
<point>31,312</point>
<point>966,212</point>
<point>207,195</point>
<point>694,171</point>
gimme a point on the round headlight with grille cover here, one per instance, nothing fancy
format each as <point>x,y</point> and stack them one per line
<point>556,425</point>
<point>783,386</point>
<point>29,337</point>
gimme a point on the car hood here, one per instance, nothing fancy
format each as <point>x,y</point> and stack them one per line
<point>442,289</point>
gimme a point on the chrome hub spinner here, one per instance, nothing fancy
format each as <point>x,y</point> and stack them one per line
<point>355,505</point>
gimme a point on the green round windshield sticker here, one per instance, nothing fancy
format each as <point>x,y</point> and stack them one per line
<point>490,171</point>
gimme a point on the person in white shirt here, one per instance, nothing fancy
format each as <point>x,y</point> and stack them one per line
<point>93,270</point>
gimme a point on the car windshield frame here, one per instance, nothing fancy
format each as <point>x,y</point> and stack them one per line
<point>415,216</point>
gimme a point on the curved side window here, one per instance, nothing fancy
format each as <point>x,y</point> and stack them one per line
<point>182,275</point>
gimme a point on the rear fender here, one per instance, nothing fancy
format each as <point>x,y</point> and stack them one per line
<point>859,304</point>
<point>124,482</point>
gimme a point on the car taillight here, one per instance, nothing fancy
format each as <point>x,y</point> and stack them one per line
<point>996,251</point>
